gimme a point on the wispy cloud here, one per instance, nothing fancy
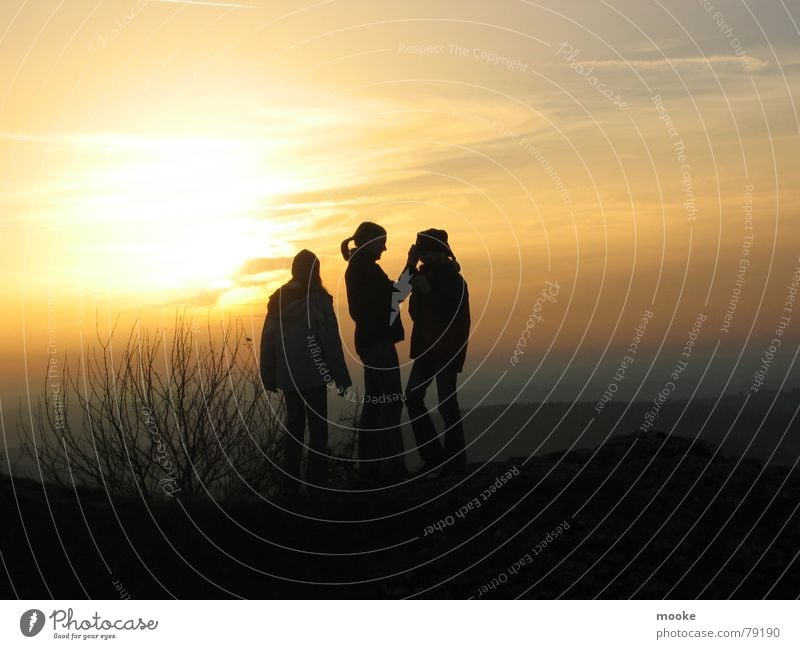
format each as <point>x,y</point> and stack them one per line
<point>211,4</point>
<point>697,62</point>
<point>260,265</point>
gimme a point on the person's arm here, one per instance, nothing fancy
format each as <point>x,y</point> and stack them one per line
<point>420,291</point>
<point>405,283</point>
<point>454,297</point>
<point>267,359</point>
<point>382,293</point>
<point>367,285</point>
<point>450,307</point>
<point>331,343</point>
<point>447,297</point>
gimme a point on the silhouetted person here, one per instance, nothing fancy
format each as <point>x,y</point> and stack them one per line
<point>370,295</point>
<point>439,307</point>
<point>301,352</point>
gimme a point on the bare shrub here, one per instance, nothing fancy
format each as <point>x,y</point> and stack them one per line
<point>343,449</point>
<point>165,418</point>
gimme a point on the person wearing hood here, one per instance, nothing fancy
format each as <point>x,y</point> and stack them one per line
<point>301,353</point>
<point>439,307</point>
<point>373,303</point>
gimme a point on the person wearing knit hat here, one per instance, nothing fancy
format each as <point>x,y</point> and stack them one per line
<point>433,240</point>
<point>439,307</point>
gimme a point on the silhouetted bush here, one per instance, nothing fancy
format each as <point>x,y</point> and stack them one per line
<point>162,418</point>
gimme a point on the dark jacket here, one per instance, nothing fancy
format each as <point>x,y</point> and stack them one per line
<point>369,298</point>
<point>439,306</point>
<point>300,344</point>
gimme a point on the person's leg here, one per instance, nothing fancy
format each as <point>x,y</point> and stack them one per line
<point>293,441</point>
<point>367,452</point>
<point>316,403</point>
<point>454,451</point>
<point>428,445</point>
<point>391,411</point>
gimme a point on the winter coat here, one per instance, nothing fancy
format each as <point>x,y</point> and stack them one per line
<point>300,344</point>
<point>439,307</point>
<point>369,297</point>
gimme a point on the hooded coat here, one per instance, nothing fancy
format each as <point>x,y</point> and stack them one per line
<point>300,344</point>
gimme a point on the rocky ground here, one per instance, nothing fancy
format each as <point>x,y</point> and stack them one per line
<point>641,516</point>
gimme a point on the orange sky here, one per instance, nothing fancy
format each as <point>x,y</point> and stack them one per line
<point>158,155</point>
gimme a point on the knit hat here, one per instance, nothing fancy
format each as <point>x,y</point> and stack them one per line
<point>433,240</point>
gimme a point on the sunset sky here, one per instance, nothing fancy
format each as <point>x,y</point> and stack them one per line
<point>162,154</point>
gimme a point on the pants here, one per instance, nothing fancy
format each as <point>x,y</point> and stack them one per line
<point>311,405</point>
<point>454,455</point>
<point>380,438</point>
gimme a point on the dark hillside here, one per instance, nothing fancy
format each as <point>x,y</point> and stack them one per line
<point>642,516</point>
